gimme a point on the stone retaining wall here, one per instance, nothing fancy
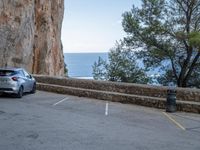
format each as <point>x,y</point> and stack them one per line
<point>184,94</point>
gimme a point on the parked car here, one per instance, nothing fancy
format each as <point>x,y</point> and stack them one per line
<point>16,81</point>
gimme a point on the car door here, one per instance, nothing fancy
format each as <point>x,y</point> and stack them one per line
<point>23,80</point>
<point>29,81</point>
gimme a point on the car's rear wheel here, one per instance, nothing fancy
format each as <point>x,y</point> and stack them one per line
<point>33,89</point>
<point>20,92</point>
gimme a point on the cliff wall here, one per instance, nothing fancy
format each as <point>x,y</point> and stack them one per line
<point>30,35</point>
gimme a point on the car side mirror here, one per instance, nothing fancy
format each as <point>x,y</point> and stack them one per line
<point>29,76</point>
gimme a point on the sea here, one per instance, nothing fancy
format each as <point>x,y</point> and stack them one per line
<point>79,65</point>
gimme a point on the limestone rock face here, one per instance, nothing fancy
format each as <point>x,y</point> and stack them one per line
<point>30,35</point>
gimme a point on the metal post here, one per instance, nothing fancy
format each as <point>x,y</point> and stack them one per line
<point>171,100</point>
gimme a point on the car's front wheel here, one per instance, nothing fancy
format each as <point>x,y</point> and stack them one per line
<point>33,89</point>
<point>20,92</point>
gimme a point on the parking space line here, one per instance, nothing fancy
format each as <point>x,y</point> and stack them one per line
<point>66,98</point>
<point>188,118</point>
<point>174,121</point>
<point>106,109</point>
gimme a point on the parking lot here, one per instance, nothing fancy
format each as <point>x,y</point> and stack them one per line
<point>62,122</point>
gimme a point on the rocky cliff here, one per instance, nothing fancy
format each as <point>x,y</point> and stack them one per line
<point>30,35</point>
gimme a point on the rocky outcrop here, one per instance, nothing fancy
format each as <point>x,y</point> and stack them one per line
<point>30,35</point>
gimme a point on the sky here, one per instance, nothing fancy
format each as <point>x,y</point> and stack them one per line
<point>93,25</point>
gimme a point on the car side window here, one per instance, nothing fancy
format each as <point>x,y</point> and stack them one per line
<point>26,74</point>
<point>21,73</point>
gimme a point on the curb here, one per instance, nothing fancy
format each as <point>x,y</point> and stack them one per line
<point>154,102</point>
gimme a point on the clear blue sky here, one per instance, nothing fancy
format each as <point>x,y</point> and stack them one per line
<point>93,25</point>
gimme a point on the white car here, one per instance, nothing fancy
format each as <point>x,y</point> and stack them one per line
<point>16,81</point>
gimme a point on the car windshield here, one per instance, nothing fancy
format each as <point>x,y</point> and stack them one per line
<point>7,72</point>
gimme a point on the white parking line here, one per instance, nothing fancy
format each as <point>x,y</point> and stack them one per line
<point>174,121</point>
<point>106,109</point>
<point>66,98</point>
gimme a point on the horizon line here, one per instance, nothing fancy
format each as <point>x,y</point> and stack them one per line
<point>87,52</point>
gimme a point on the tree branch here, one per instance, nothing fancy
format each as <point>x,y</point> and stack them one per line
<point>174,69</point>
<point>192,66</point>
<point>184,68</point>
<point>180,3</point>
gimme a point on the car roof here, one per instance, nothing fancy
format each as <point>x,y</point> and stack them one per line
<point>11,68</point>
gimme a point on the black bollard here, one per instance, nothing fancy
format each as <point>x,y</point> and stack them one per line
<point>171,100</point>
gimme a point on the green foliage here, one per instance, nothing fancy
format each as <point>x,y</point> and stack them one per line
<point>194,39</point>
<point>121,67</point>
<point>166,31</point>
<point>65,69</point>
<point>99,69</point>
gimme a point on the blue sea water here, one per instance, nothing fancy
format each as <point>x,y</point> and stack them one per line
<point>79,65</point>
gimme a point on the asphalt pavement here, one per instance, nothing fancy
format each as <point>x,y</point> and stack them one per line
<point>62,122</point>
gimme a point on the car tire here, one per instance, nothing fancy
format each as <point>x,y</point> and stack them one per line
<point>33,89</point>
<point>20,92</point>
